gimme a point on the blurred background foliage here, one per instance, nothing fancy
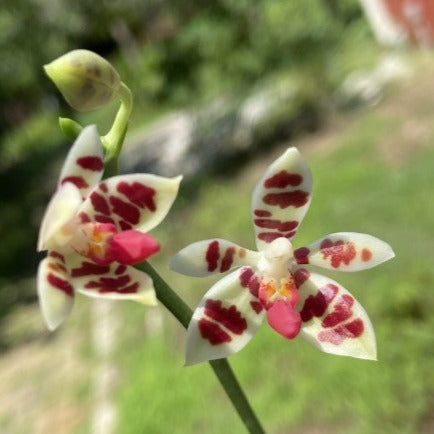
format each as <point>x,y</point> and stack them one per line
<point>185,54</point>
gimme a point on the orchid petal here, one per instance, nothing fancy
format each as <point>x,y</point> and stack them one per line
<point>61,209</point>
<point>226,319</point>
<point>332,319</point>
<point>115,281</point>
<point>84,164</point>
<point>136,201</point>
<point>345,251</point>
<point>207,257</point>
<point>56,294</point>
<point>281,198</point>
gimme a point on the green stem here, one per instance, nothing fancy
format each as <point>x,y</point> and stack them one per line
<point>221,367</point>
<point>114,139</point>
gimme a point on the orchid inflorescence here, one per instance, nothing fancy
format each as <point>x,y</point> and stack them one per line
<point>94,231</point>
<point>274,282</point>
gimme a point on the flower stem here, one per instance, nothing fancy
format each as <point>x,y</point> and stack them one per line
<point>114,139</point>
<point>221,367</point>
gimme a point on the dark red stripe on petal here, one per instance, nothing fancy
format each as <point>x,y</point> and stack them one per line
<point>300,276</point>
<point>84,218</point>
<point>212,332</point>
<point>109,282</point>
<point>120,269</point>
<point>60,284</point>
<point>55,266</point>
<point>341,312</point>
<point>230,318</point>
<point>99,203</point>
<point>245,275</point>
<point>89,269</point>
<point>91,162</point>
<point>256,306</point>
<point>123,209</point>
<point>295,198</point>
<point>139,194</point>
<point>283,179</point>
<point>228,259</point>
<point>262,213</point>
<point>56,255</point>
<point>301,255</point>
<point>276,224</point>
<point>212,255</point>
<point>124,225</point>
<point>104,219</point>
<point>78,181</point>
<point>268,237</point>
<point>316,305</point>
<point>250,281</point>
<point>351,330</point>
<point>103,187</point>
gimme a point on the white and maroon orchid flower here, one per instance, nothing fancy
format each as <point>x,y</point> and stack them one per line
<point>272,281</point>
<point>95,230</point>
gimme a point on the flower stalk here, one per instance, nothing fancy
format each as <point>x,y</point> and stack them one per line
<point>176,306</point>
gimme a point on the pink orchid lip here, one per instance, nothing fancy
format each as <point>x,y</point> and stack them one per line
<point>131,247</point>
<point>283,318</point>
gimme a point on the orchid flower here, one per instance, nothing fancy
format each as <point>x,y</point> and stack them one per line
<point>95,230</point>
<point>273,282</point>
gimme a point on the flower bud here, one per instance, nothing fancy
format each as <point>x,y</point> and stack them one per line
<point>85,79</point>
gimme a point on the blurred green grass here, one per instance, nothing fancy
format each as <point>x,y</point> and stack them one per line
<point>292,386</point>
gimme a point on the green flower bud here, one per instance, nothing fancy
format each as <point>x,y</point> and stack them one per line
<point>85,79</point>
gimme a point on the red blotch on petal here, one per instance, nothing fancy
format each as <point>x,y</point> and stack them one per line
<point>249,280</point>
<point>262,213</point>
<point>131,247</point>
<point>104,219</point>
<point>212,332</point>
<point>84,218</point>
<point>124,225</point>
<point>316,305</point>
<point>366,255</point>
<point>56,255</point>
<point>296,198</point>
<point>351,330</point>
<point>103,187</point>
<point>341,312</point>
<point>301,255</point>
<point>212,255</point>
<point>230,318</point>
<point>268,237</point>
<point>300,276</point>
<point>99,203</point>
<point>89,269</point>
<point>78,181</point>
<point>256,306</point>
<point>228,259</point>
<point>60,284</point>
<point>283,318</point>
<point>283,179</point>
<point>139,194</point>
<point>120,269</point>
<point>91,162</point>
<point>123,209</point>
<point>338,251</point>
<point>276,224</point>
